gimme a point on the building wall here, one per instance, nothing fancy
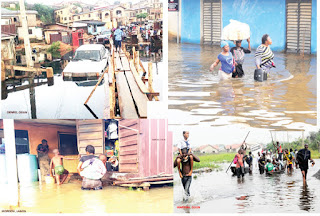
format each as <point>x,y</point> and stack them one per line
<point>8,50</point>
<point>36,33</point>
<point>31,19</point>
<point>190,21</point>
<point>37,132</point>
<point>314,27</point>
<point>263,17</point>
<point>173,25</point>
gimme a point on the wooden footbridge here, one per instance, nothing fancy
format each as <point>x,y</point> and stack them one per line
<point>129,89</point>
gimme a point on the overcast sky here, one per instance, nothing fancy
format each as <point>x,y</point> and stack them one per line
<point>232,134</point>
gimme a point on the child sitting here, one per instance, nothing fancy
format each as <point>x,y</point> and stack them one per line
<point>56,163</point>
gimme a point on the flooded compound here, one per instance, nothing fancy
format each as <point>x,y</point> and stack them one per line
<point>287,100</point>
<point>220,192</point>
<point>65,99</point>
<point>69,198</point>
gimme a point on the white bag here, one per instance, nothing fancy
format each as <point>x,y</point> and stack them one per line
<point>235,31</point>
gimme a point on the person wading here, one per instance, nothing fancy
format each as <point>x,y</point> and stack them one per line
<point>238,53</point>
<point>264,56</point>
<point>303,157</point>
<point>227,62</point>
<point>43,158</point>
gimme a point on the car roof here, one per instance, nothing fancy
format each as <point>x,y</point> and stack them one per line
<point>90,47</point>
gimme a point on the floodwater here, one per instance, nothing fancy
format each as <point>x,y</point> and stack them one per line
<point>69,198</point>
<point>287,100</point>
<point>220,192</point>
<point>65,99</point>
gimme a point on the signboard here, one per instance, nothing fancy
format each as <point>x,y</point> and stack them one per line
<point>173,5</point>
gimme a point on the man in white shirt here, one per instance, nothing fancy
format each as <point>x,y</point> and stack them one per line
<point>184,145</point>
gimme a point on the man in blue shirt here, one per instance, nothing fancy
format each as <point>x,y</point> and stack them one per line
<point>118,34</point>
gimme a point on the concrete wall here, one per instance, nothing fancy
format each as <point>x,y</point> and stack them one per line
<point>172,25</point>
<point>36,33</point>
<point>190,21</point>
<point>263,17</point>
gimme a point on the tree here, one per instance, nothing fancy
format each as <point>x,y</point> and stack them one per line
<point>142,15</point>
<point>45,13</point>
<point>54,49</point>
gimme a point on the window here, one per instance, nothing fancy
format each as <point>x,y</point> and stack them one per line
<point>65,18</point>
<point>21,139</point>
<point>89,15</point>
<point>107,14</point>
<point>69,18</point>
<point>68,144</point>
<point>78,17</point>
<point>30,31</point>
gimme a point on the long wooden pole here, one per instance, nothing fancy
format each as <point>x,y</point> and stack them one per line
<point>25,32</point>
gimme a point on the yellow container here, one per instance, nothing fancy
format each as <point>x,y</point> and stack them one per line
<point>49,180</point>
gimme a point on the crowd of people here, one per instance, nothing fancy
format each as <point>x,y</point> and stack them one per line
<point>232,60</point>
<point>274,161</point>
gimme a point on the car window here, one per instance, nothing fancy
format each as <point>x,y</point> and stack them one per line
<point>103,52</point>
<point>87,55</point>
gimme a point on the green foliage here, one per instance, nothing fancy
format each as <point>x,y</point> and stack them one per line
<point>77,4</point>
<point>45,13</point>
<point>142,15</point>
<point>313,141</point>
<point>54,49</point>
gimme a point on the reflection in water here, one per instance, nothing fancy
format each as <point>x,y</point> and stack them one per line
<point>218,192</point>
<point>69,198</point>
<point>286,100</point>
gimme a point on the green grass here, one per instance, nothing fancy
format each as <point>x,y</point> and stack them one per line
<point>212,160</point>
<point>315,154</point>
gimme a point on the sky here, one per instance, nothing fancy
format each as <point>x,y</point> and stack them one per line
<point>232,134</point>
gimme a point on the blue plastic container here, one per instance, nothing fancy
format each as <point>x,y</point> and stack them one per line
<point>3,169</point>
<point>27,168</point>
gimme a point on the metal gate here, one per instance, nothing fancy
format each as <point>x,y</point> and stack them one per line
<point>211,21</point>
<point>299,14</point>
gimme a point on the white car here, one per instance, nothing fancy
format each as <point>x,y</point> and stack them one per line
<point>89,62</point>
<point>104,37</point>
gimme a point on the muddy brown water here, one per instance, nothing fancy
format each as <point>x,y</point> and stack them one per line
<point>69,198</point>
<point>220,192</point>
<point>287,100</point>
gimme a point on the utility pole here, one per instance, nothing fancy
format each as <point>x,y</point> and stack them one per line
<point>25,32</point>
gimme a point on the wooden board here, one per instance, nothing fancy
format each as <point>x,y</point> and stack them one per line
<point>139,97</point>
<point>125,63</point>
<point>126,104</point>
<point>143,88</point>
<point>118,64</point>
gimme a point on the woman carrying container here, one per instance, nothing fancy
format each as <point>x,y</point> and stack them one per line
<point>227,62</point>
<point>264,56</point>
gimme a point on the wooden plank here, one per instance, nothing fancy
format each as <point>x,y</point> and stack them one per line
<point>126,104</point>
<point>128,143</point>
<point>128,157</point>
<point>132,152</point>
<point>129,148</point>
<point>90,135</point>
<point>128,123</point>
<point>125,63</point>
<point>139,97</point>
<point>118,64</point>
<point>20,68</point>
<point>128,133</point>
<point>143,88</point>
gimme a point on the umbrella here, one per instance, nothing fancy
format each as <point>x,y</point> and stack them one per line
<point>236,31</point>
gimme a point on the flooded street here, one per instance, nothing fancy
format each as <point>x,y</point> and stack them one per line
<point>69,198</point>
<point>65,99</point>
<point>218,192</point>
<point>287,100</point>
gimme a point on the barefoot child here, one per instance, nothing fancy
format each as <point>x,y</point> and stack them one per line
<point>57,164</point>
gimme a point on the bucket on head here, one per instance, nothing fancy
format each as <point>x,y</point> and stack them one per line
<point>260,75</point>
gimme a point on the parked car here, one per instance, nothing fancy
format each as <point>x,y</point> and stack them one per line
<point>89,63</point>
<point>104,37</point>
